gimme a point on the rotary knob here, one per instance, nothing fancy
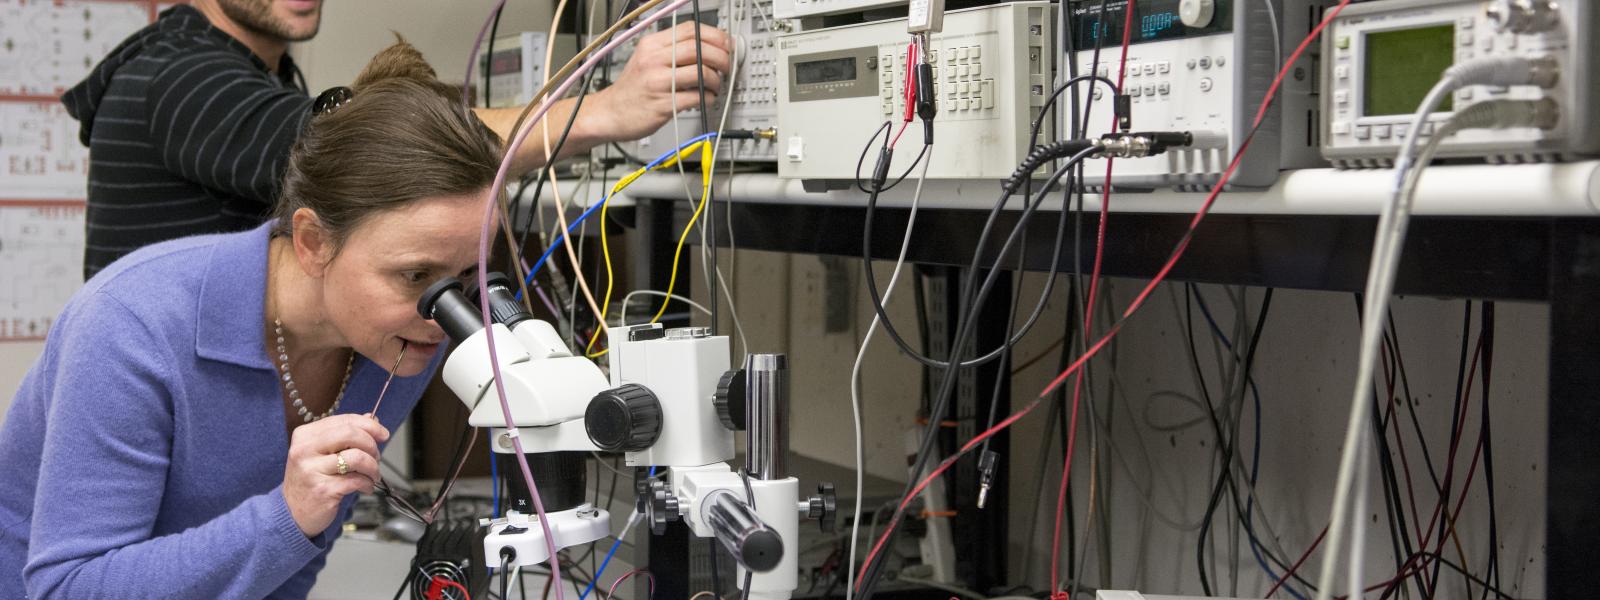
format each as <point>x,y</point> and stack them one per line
<point>824,507</point>
<point>663,508</point>
<point>626,418</point>
<point>731,400</point>
<point>1197,13</point>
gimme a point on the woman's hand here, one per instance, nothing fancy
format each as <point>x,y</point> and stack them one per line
<point>645,97</point>
<point>312,485</point>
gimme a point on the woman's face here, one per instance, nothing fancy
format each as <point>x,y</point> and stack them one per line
<point>371,287</point>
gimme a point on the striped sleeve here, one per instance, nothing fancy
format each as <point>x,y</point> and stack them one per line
<point>217,121</point>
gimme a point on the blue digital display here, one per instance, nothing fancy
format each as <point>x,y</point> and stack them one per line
<point>1152,25</point>
<point>1155,20</point>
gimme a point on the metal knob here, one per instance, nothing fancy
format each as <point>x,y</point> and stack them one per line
<point>824,507</point>
<point>663,508</point>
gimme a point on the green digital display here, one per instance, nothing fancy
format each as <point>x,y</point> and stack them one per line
<point>1402,65</point>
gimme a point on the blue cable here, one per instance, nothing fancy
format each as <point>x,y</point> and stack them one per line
<point>609,553</point>
<point>1255,453</point>
<point>494,485</point>
<point>603,200</point>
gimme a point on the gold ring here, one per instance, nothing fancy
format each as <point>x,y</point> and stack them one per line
<point>344,467</point>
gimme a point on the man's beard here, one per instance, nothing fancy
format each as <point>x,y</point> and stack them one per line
<point>256,16</point>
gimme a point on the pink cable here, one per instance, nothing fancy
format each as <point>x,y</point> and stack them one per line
<point>612,593</point>
<point>489,216</point>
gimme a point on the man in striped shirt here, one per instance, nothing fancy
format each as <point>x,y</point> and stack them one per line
<point>189,121</point>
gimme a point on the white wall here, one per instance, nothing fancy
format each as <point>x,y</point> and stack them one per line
<point>444,31</point>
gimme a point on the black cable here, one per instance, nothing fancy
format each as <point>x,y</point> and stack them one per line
<point>1392,339</point>
<point>1455,437</point>
<point>1077,129</point>
<point>867,148</point>
<point>505,574</point>
<point>561,142</point>
<point>488,54</point>
<point>1226,445</point>
<point>549,165</point>
<point>964,328</point>
<point>709,223</point>
<point>405,582</point>
<point>626,156</point>
<point>1440,560</point>
<point>919,298</point>
<point>983,237</point>
<point>716,573</point>
<point>1399,534</point>
<point>1486,337</point>
<point>1221,441</point>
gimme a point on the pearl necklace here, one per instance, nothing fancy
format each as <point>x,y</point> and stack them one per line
<point>288,379</point>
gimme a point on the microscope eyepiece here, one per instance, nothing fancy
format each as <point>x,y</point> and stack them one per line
<point>444,303</point>
<point>503,303</point>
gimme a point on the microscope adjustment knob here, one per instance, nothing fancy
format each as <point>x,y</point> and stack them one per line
<point>731,401</point>
<point>626,418</point>
<point>663,509</point>
<point>824,507</point>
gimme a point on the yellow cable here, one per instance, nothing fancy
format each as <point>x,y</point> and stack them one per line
<point>705,193</point>
<point>605,246</point>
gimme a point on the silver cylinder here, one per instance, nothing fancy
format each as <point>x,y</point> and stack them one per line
<point>734,523</point>
<point>767,383</point>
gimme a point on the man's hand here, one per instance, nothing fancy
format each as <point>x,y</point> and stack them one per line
<point>659,80</point>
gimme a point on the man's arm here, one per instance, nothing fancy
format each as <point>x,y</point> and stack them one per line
<point>659,80</point>
<point>218,123</point>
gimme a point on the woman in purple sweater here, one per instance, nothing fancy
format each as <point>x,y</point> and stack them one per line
<point>199,422</point>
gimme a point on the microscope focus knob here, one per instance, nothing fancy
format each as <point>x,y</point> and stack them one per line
<point>663,509</point>
<point>824,507</point>
<point>626,418</point>
<point>731,401</point>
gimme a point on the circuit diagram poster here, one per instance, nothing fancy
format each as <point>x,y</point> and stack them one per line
<point>47,46</point>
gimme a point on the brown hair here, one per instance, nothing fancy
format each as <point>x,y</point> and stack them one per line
<point>403,136</point>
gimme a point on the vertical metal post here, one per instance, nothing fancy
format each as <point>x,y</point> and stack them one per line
<point>767,456</point>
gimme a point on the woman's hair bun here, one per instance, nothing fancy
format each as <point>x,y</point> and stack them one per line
<point>399,61</point>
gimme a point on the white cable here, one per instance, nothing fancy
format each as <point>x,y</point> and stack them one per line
<point>1380,284</point>
<point>855,377</point>
<point>716,143</point>
<point>627,299</point>
<point>1390,239</point>
<point>1277,38</point>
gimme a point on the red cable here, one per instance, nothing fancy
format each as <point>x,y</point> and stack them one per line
<point>1088,314</point>
<point>937,471</point>
<point>1297,563</point>
<point>1390,377</point>
<point>1133,307</point>
<point>1449,476</point>
<point>910,95</point>
<point>1205,207</point>
<point>437,586</point>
